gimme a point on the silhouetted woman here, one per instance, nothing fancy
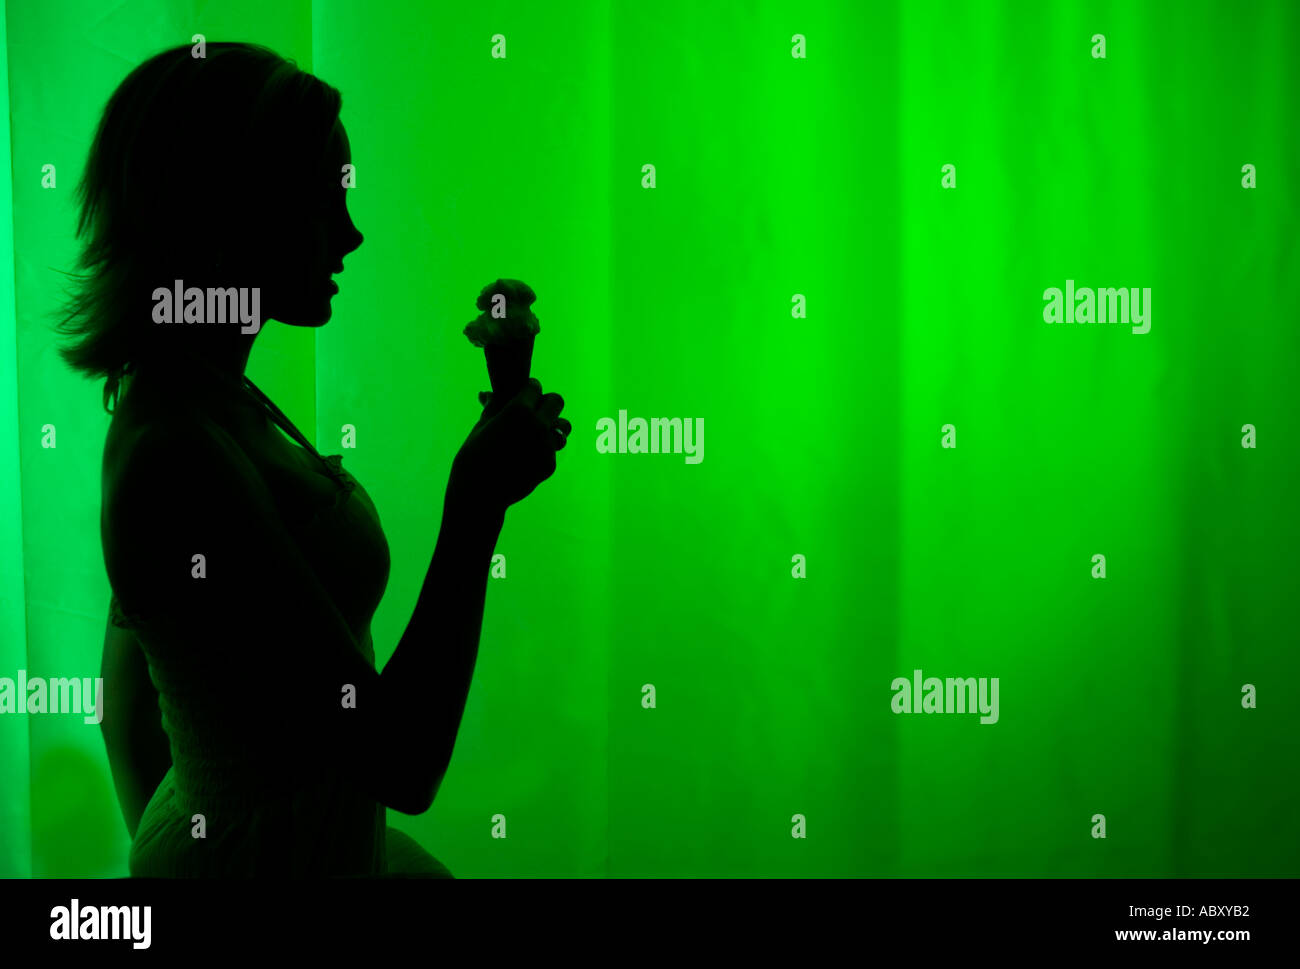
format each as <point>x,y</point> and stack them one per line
<point>245,566</point>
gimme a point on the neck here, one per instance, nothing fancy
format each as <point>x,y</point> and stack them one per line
<point>224,360</point>
<point>195,370</point>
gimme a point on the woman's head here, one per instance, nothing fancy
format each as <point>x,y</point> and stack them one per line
<point>224,171</point>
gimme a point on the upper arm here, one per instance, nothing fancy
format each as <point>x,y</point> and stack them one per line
<point>194,544</point>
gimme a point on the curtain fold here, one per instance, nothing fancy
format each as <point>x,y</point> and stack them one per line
<point>15,791</point>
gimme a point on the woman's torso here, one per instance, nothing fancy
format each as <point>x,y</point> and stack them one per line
<point>318,822</point>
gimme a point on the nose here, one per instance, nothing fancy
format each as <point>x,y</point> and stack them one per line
<point>352,239</point>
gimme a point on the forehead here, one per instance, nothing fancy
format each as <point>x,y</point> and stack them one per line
<point>337,153</point>
<point>337,147</point>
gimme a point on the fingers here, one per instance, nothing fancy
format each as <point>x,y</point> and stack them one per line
<point>549,407</point>
<point>560,433</point>
<point>546,407</point>
<point>533,387</point>
<point>558,429</point>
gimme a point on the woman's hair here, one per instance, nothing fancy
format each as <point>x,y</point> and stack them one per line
<point>192,154</point>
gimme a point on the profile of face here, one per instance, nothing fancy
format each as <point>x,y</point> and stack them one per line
<point>297,251</point>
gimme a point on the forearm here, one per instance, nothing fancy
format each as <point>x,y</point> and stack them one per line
<point>427,680</point>
<point>139,753</point>
<point>137,775</point>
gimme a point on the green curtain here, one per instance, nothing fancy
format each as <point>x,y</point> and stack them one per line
<point>800,279</point>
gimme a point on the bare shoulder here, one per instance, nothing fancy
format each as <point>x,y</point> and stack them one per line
<point>166,449</point>
<point>169,473</point>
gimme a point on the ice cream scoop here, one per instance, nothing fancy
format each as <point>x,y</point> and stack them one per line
<point>505,329</point>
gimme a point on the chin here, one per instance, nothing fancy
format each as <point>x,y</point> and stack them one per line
<point>316,316</point>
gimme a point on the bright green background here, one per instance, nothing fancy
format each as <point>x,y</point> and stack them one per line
<point>776,176</point>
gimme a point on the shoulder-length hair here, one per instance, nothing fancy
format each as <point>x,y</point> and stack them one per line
<point>191,155</point>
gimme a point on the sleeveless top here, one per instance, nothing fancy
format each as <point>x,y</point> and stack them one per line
<point>264,819</point>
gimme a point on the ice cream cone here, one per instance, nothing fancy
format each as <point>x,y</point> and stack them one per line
<point>508,366</point>
<point>507,341</point>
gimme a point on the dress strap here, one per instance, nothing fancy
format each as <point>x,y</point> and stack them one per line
<point>287,425</point>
